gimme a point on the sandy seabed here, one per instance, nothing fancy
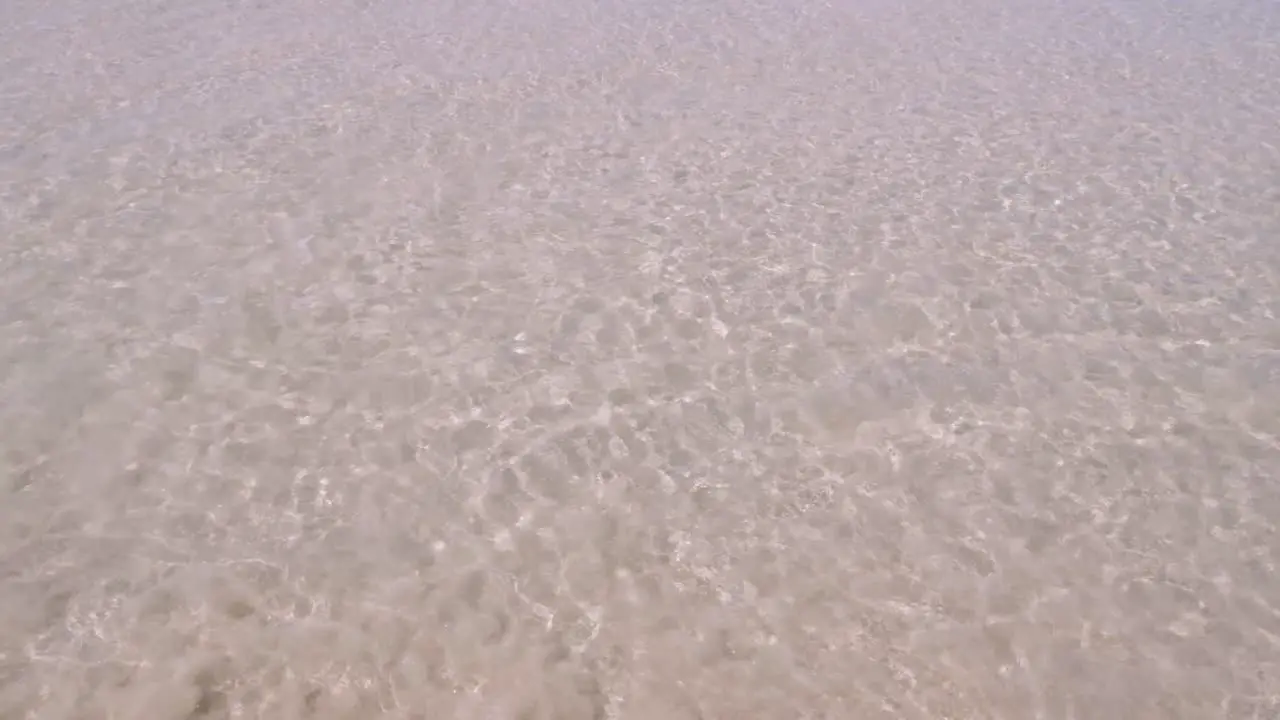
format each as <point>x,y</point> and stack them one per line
<point>653,360</point>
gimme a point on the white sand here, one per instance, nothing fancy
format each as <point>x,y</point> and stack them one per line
<point>564,359</point>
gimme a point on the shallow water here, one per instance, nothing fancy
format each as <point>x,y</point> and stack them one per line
<point>565,359</point>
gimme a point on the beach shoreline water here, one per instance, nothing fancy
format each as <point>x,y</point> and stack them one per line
<point>639,360</point>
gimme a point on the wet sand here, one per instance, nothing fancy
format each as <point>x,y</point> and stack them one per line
<point>650,360</point>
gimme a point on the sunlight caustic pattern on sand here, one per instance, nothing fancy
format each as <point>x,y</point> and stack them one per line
<point>647,360</point>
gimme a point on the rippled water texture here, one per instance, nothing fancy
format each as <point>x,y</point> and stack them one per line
<point>587,359</point>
